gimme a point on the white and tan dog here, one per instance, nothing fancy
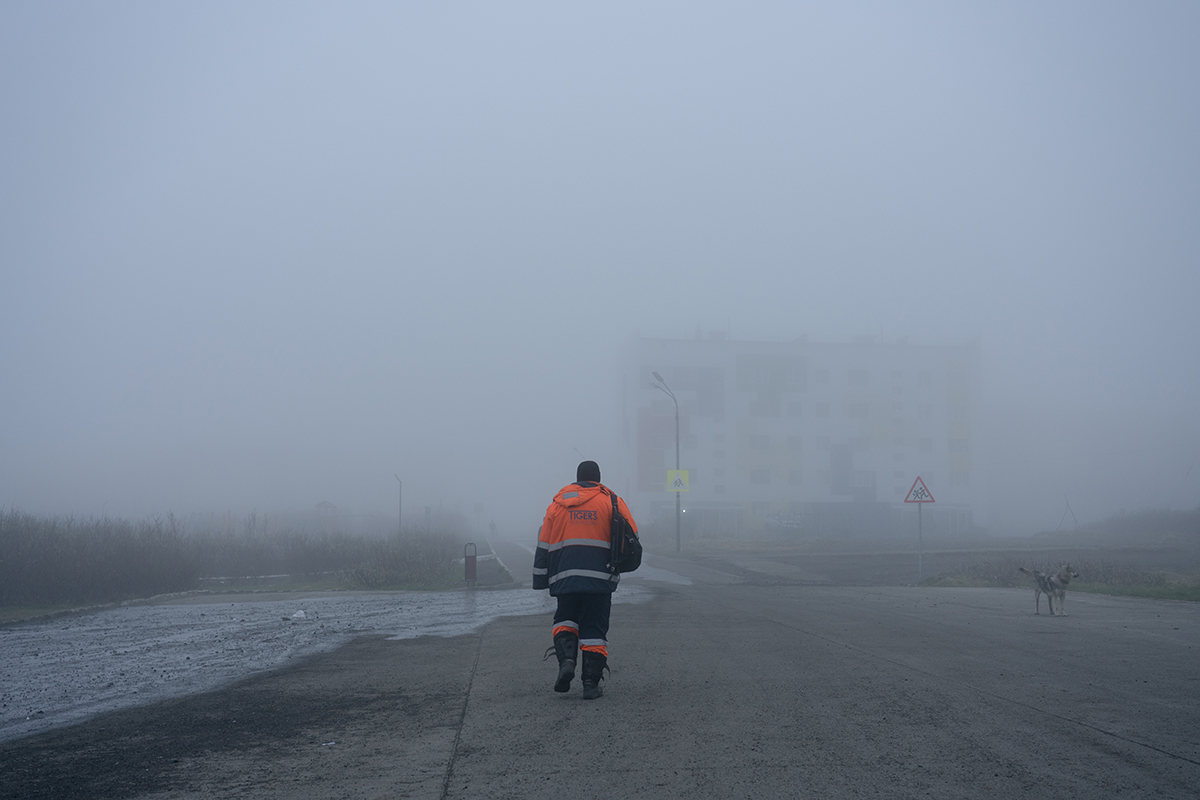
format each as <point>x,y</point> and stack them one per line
<point>1053,585</point>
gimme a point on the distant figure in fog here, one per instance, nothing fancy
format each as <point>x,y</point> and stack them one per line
<point>572,562</point>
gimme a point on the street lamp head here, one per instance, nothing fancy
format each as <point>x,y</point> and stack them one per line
<point>662,387</point>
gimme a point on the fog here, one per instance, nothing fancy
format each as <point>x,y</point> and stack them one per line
<point>265,256</point>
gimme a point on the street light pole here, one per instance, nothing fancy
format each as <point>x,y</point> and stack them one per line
<point>400,508</point>
<point>678,499</point>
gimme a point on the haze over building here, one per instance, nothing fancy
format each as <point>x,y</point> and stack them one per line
<point>822,437</point>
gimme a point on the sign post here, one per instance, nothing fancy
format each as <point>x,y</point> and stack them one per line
<point>920,495</point>
<point>670,481</point>
<point>677,482</point>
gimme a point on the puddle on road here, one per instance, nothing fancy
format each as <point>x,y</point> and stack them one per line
<point>67,669</point>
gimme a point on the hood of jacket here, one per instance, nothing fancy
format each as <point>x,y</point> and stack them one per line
<point>574,495</point>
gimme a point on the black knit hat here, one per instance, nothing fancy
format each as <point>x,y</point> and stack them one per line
<point>588,471</point>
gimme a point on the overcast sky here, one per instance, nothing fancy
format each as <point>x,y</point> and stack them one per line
<point>263,255</point>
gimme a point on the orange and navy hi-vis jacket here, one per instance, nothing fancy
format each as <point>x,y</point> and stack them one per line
<point>573,543</point>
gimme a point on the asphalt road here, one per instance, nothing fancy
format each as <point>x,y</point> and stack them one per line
<point>723,687</point>
<point>733,689</point>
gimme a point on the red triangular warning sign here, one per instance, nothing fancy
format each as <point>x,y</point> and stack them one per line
<point>918,493</point>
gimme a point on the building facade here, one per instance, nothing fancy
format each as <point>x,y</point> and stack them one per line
<point>814,437</point>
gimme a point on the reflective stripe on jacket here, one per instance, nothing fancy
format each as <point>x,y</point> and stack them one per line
<point>574,541</point>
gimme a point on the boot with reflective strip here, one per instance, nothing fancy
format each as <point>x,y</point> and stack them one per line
<point>565,645</point>
<point>594,665</point>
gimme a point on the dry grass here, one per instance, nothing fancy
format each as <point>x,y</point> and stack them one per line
<point>54,563</point>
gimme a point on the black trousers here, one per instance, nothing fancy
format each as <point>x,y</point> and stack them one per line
<point>586,615</point>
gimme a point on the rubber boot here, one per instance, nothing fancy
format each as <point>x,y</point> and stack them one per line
<point>565,645</point>
<point>594,665</point>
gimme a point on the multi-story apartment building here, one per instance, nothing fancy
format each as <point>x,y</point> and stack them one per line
<point>825,438</point>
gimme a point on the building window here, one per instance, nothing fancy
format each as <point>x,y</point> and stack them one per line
<point>862,479</point>
<point>959,478</point>
<point>767,406</point>
<point>822,376</point>
<point>897,376</point>
<point>898,474</point>
<point>924,378</point>
<point>718,453</point>
<point>927,445</point>
<point>794,443</point>
<point>959,446</point>
<point>718,490</point>
<point>897,456</point>
<point>862,444</point>
<point>719,438</point>
<point>760,441</point>
<point>760,477</point>
<point>793,409</point>
<point>858,410</point>
<point>858,377</point>
<point>718,473</point>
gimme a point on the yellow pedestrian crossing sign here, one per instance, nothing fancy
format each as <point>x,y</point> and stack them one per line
<point>677,480</point>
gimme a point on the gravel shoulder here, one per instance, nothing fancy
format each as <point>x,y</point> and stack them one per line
<point>373,718</point>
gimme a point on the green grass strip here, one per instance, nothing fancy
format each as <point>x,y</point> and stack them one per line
<point>1170,591</point>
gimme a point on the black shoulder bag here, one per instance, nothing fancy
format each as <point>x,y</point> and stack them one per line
<point>625,550</point>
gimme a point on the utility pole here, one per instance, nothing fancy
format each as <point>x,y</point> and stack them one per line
<point>400,508</point>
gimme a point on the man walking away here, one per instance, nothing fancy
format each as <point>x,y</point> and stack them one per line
<point>572,562</point>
